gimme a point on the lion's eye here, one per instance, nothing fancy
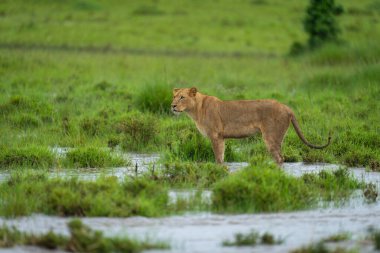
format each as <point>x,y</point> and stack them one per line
<point>182,97</point>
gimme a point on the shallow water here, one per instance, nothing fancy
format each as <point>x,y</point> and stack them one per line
<point>204,232</point>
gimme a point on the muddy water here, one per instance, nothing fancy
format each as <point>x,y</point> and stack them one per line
<point>204,232</point>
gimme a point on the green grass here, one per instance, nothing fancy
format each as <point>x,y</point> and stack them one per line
<point>33,192</point>
<point>190,175</point>
<point>91,157</point>
<point>34,157</point>
<point>337,237</point>
<point>322,245</point>
<point>83,73</point>
<point>91,112</point>
<point>81,239</point>
<point>321,248</point>
<point>154,97</point>
<point>39,157</point>
<point>268,189</point>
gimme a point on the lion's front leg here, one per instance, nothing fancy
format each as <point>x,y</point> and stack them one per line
<point>218,148</point>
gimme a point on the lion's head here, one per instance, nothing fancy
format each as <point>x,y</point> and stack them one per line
<point>183,99</point>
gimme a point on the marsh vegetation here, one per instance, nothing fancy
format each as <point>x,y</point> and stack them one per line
<point>85,76</point>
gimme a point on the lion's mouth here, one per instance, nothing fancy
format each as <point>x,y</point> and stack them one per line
<point>175,111</point>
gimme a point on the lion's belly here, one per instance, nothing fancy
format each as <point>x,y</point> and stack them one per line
<point>240,131</point>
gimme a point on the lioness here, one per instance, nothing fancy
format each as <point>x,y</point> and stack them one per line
<point>219,120</point>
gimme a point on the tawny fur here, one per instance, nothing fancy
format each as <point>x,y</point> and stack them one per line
<point>219,120</point>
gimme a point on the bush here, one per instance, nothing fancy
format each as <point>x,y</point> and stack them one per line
<point>320,22</point>
<point>155,98</point>
<point>91,157</point>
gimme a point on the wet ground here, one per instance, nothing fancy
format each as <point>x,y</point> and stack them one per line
<point>204,232</point>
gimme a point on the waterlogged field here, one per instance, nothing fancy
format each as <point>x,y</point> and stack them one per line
<point>86,129</point>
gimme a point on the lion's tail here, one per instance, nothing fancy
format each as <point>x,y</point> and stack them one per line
<point>299,133</point>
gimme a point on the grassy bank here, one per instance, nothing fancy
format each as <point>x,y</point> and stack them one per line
<point>254,189</point>
<point>34,192</point>
<point>85,110</point>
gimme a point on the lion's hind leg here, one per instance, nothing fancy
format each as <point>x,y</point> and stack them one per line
<point>273,138</point>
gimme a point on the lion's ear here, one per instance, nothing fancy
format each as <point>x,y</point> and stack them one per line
<point>175,90</point>
<point>193,92</point>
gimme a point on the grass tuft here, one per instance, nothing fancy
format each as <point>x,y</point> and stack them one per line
<point>91,157</point>
<point>25,121</point>
<point>32,157</point>
<point>319,247</point>
<point>375,236</point>
<point>191,174</point>
<point>27,105</point>
<point>252,238</point>
<point>337,237</point>
<point>155,98</point>
<point>138,131</point>
<point>147,10</point>
<point>250,189</point>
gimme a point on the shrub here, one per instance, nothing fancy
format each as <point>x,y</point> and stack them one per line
<point>155,98</point>
<point>320,22</point>
<point>34,157</point>
<point>91,157</point>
